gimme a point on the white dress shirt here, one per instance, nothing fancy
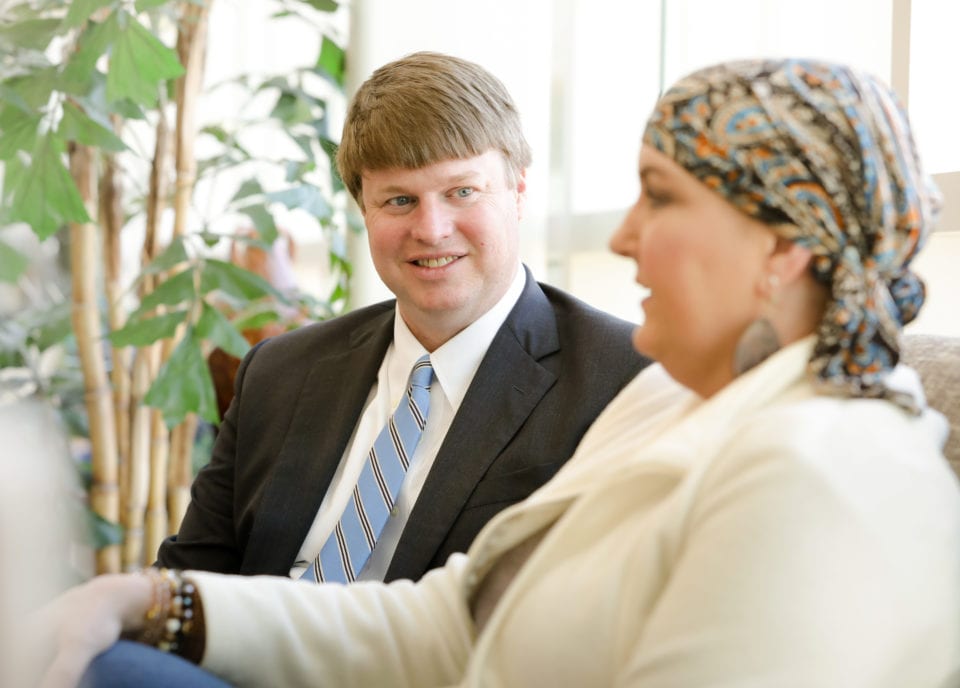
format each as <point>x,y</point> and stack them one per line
<point>454,365</point>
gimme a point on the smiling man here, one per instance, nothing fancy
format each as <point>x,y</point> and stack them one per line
<point>374,445</point>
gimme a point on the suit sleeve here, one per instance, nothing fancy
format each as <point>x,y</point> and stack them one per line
<point>207,539</point>
<point>270,631</point>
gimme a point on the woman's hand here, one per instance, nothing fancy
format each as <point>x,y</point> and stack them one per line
<point>85,621</point>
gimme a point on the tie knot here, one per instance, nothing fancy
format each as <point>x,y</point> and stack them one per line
<point>422,373</point>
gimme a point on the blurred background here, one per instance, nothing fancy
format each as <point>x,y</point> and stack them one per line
<point>585,74</point>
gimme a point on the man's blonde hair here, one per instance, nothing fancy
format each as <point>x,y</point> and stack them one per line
<point>425,108</point>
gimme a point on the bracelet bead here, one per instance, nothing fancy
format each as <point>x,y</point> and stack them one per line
<point>169,619</point>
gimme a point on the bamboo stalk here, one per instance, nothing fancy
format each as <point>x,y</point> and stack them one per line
<point>152,435</point>
<point>146,432</point>
<point>111,219</point>
<point>104,491</point>
<point>191,49</point>
<point>180,477</point>
<point>138,478</point>
<point>156,514</point>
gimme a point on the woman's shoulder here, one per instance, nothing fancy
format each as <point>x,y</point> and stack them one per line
<point>855,446</point>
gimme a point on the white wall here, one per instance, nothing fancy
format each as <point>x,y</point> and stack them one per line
<point>585,73</point>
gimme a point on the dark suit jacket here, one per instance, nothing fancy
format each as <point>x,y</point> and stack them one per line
<point>551,368</point>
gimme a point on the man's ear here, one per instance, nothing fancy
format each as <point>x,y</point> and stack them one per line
<point>521,191</point>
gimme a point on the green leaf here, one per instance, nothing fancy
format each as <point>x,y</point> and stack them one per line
<point>355,223</point>
<point>45,196</point>
<point>235,281</point>
<point>139,62</point>
<point>251,187</point>
<point>81,68</point>
<point>172,256</point>
<point>174,291</point>
<point>304,197</point>
<point>281,82</point>
<point>20,135</point>
<point>335,179</point>
<point>81,10</point>
<point>338,248</point>
<point>298,169</point>
<point>76,126</point>
<point>263,220</point>
<point>12,263</point>
<point>127,109</point>
<point>217,132</point>
<point>305,143</point>
<point>14,168</point>
<point>291,110</point>
<point>213,326</point>
<point>8,95</point>
<point>211,239</point>
<point>35,89</point>
<point>31,34</point>
<point>255,321</point>
<point>52,326</point>
<point>144,5</point>
<point>184,385</point>
<point>212,165</point>
<point>149,330</point>
<point>332,62</point>
<point>329,147</point>
<point>104,533</point>
<point>323,5</point>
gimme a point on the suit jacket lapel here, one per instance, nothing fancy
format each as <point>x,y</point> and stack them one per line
<point>323,418</point>
<point>507,387</point>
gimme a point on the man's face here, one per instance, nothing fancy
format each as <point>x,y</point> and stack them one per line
<point>444,239</point>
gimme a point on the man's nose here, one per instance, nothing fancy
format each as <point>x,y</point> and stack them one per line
<point>432,221</point>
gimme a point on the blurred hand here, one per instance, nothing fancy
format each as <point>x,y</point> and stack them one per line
<point>85,621</point>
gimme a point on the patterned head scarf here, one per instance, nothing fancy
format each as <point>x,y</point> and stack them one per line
<point>824,155</point>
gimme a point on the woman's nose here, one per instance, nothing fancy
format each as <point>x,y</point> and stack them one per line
<point>623,240</point>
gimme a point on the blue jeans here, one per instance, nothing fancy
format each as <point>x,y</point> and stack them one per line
<point>134,665</point>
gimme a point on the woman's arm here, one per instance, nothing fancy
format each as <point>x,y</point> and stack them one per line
<point>269,630</point>
<point>276,631</point>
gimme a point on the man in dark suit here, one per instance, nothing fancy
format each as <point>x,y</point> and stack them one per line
<point>433,153</point>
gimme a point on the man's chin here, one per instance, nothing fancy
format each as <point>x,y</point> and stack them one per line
<point>443,309</point>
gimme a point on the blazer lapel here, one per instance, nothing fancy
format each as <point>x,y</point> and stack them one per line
<point>322,422</point>
<point>509,383</point>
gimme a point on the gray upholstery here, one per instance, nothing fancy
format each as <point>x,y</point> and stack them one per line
<point>937,359</point>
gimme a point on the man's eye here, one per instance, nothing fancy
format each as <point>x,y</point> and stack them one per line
<point>400,201</point>
<point>464,191</point>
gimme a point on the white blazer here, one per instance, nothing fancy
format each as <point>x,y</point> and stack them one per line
<point>765,537</point>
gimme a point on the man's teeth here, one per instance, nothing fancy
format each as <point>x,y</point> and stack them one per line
<point>435,262</point>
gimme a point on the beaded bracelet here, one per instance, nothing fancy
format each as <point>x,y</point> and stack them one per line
<point>170,618</point>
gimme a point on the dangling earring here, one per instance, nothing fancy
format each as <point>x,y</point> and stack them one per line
<point>759,341</point>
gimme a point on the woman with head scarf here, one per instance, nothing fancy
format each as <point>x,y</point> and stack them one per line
<point>781,515</point>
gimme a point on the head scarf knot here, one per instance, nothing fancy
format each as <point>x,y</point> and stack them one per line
<point>824,155</point>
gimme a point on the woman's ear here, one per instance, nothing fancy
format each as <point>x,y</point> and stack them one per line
<point>788,260</point>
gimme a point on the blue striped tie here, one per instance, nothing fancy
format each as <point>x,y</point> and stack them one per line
<point>348,548</point>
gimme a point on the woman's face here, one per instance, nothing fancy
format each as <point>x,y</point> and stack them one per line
<point>704,263</point>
